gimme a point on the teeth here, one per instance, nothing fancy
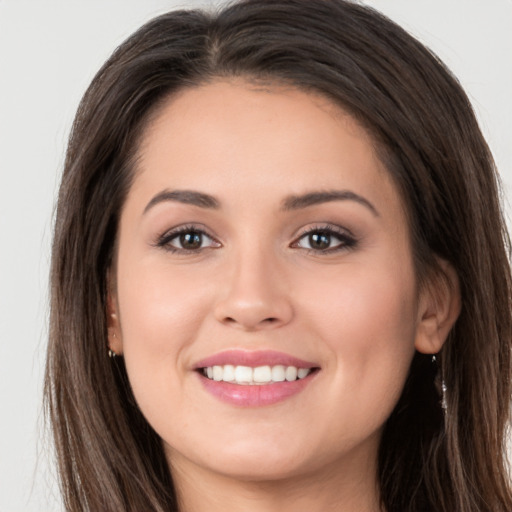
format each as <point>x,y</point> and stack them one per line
<point>278,373</point>
<point>262,374</point>
<point>291,373</point>
<point>243,374</point>
<point>258,375</point>
<point>302,372</point>
<point>218,372</point>
<point>229,373</point>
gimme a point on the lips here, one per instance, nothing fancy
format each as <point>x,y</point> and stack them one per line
<point>254,378</point>
<point>253,359</point>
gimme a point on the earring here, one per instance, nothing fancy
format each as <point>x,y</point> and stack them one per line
<point>443,401</point>
<point>111,353</point>
<point>440,384</point>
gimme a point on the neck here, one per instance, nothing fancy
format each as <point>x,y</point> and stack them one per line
<point>349,489</point>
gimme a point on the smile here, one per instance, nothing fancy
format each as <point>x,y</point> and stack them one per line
<point>261,375</point>
<point>254,378</point>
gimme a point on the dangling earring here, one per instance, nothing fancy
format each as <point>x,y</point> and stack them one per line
<point>443,401</point>
<point>440,384</point>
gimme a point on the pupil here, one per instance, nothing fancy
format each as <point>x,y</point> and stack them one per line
<point>191,240</point>
<point>319,240</point>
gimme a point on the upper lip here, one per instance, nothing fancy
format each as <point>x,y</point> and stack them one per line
<point>253,358</point>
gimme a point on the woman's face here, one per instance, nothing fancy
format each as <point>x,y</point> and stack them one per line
<point>263,240</point>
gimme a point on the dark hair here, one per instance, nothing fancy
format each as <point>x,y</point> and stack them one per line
<point>425,132</point>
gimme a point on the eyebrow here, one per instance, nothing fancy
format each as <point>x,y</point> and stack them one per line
<point>290,203</point>
<point>184,196</point>
<point>315,198</point>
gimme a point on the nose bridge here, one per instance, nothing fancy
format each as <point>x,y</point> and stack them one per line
<point>255,295</point>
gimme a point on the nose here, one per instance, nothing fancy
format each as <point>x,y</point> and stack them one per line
<point>254,296</point>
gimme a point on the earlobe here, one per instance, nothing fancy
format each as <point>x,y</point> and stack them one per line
<point>114,335</point>
<point>439,308</point>
<point>115,343</point>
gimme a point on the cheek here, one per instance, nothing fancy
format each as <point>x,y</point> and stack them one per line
<point>371,312</point>
<point>368,321</point>
<point>159,314</point>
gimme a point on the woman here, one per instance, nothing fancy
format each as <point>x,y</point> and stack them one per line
<point>282,223</point>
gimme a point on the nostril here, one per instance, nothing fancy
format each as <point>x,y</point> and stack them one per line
<point>269,321</point>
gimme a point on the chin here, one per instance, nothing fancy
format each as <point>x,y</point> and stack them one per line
<point>248,459</point>
<point>256,468</point>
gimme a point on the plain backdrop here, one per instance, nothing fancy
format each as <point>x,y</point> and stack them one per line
<point>49,52</point>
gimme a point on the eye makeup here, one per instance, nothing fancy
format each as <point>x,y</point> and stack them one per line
<point>325,238</point>
<point>189,238</point>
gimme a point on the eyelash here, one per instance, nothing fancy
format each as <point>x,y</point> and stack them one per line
<point>346,239</point>
<point>165,240</point>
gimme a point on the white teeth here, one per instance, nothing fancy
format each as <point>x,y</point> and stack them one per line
<point>262,374</point>
<point>278,373</point>
<point>258,375</point>
<point>217,372</point>
<point>291,373</point>
<point>243,374</point>
<point>302,372</point>
<point>229,373</point>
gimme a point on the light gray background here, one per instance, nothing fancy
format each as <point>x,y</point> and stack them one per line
<point>49,52</point>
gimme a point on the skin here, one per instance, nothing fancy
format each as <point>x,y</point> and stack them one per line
<point>255,284</point>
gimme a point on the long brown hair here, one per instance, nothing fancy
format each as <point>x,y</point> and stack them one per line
<point>431,458</point>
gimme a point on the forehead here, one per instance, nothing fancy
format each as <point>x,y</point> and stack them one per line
<point>240,138</point>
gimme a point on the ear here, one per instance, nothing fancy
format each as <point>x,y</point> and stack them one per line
<point>115,341</point>
<point>439,308</point>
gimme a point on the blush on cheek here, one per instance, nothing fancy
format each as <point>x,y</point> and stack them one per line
<point>370,325</point>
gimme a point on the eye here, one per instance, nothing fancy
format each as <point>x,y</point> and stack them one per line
<point>325,240</point>
<point>187,239</point>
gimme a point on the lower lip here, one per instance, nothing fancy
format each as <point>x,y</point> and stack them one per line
<point>255,395</point>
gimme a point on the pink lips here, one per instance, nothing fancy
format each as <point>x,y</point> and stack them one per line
<point>253,395</point>
<point>253,358</point>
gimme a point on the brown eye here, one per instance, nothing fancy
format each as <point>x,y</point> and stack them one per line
<point>325,240</point>
<point>187,240</point>
<point>190,241</point>
<point>319,240</point>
